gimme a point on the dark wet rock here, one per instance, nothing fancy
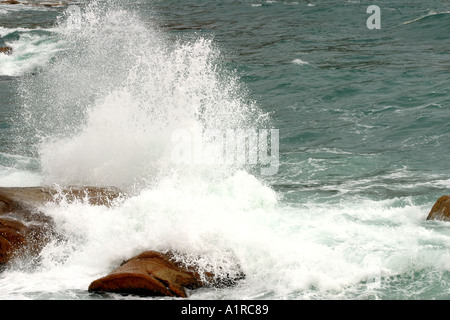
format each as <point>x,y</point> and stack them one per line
<point>22,226</point>
<point>441,209</point>
<point>19,239</point>
<point>6,50</point>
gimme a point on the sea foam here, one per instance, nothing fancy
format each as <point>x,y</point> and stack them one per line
<point>32,49</point>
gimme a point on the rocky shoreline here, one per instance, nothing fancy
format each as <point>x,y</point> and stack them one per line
<point>25,230</point>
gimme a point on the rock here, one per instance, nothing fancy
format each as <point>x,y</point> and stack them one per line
<point>24,229</point>
<point>6,50</point>
<point>43,4</point>
<point>441,209</point>
<point>11,238</point>
<point>156,274</point>
<point>10,2</point>
<point>152,274</point>
<point>17,239</point>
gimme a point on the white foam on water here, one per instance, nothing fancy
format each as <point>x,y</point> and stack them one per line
<point>18,171</point>
<point>31,51</point>
<point>299,62</point>
<point>314,251</point>
<point>444,183</point>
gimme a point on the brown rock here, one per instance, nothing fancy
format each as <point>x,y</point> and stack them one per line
<point>18,239</point>
<point>152,274</point>
<point>46,4</point>
<point>441,209</point>
<point>28,199</point>
<point>10,2</point>
<point>158,274</point>
<point>11,238</point>
<point>24,229</point>
<point>6,50</point>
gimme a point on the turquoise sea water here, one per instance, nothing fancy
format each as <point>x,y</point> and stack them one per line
<point>94,91</point>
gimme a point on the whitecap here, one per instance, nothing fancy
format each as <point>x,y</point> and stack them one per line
<point>299,62</point>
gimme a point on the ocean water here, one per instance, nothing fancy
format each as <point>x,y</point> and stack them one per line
<point>352,126</point>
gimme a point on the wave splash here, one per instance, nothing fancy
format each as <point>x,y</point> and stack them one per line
<point>103,112</point>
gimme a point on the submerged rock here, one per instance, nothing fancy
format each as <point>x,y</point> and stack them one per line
<point>6,50</point>
<point>441,209</point>
<point>24,229</point>
<point>25,201</point>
